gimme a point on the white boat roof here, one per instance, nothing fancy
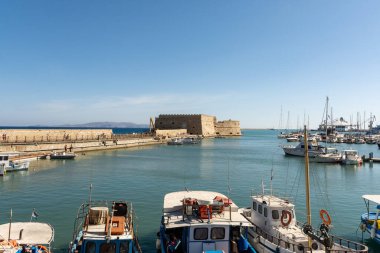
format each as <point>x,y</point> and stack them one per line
<point>273,201</point>
<point>32,232</point>
<point>173,210</point>
<point>373,198</point>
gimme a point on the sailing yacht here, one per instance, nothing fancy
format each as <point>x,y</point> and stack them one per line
<point>330,154</point>
<point>276,229</point>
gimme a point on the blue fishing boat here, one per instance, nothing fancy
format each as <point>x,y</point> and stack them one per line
<point>202,221</point>
<point>370,221</point>
<point>103,227</point>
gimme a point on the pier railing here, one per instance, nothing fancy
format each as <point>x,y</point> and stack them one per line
<point>42,139</point>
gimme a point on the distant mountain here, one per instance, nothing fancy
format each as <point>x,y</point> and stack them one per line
<point>108,125</point>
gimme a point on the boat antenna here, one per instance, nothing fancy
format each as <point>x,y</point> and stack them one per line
<point>228,179</point>
<point>262,186</point>
<point>307,186</point>
<point>89,200</point>
<point>229,188</point>
<point>271,179</point>
<point>10,225</point>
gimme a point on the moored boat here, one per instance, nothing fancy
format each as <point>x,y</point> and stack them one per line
<point>202,221</point>
<point>292,139</point>
<point>175,141</point>
<point>6,165</point>
<point>191,140</point>
<point>351,157</point>
<point>19,237</point>
<point>299,150</point>
<point>370,221</point>
<point>104,226</point>
<point>62,155</point>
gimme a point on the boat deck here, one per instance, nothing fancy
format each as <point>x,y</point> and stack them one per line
<point>174,214</point>
<point>31,232</point>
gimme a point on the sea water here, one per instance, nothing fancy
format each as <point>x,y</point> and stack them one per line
<point>238,166</point>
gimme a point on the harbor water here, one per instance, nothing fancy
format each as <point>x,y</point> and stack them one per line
<point>143,175</point>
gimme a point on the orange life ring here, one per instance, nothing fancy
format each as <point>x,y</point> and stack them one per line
<point>325,217</point>
<point>286,215</point>
<point>13,243</point>
<point>42,247</point>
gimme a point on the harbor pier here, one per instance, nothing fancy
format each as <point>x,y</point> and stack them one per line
<point>32,143</point>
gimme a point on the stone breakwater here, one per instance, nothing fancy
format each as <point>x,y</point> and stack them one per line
<point>37,142</point>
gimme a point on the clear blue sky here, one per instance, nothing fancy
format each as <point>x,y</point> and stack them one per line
<point>83,61</point>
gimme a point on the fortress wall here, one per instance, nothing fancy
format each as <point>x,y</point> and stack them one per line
<point>46,135</point>
<point>198,124</point>
<point>208,125</point>
<point>193,123</point>
<point>228,128</point>
<point>171,132</point>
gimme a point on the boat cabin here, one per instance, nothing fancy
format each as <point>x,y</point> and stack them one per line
<point>350,152</point>
<point>201,221</point>
<point>4,160</point>
<point>270,211</point>
<point>105,230</point>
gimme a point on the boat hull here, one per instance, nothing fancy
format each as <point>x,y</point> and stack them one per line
<point>368,221</point>
<point>298,152</point>
<point>326,159</point>
<point>62,156</point>
<point>351,162</point>
<point>263,245</point>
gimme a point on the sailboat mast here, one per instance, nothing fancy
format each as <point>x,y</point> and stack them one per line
<point>327,113</point>
<point>307,186</point>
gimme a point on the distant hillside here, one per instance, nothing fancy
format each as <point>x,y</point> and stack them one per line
<point>108,125</point>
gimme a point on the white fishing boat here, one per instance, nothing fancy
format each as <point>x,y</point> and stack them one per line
<point>103,227</point>
<point>21,237</point>
<point>175,141</point>
<point>351,157</point>
<point>276,229</point>
<point>6,165</point>
<point>202,221</point>
<point>299,150</point>
<point>370,220</point>
<point>191,140</point>
<point>292,139</point>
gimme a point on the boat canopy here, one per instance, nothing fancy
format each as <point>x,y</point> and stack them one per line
<point>28,232</point>
<point>373,198</point>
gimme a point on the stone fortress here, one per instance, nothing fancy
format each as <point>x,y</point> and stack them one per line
<point>195,124</point>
